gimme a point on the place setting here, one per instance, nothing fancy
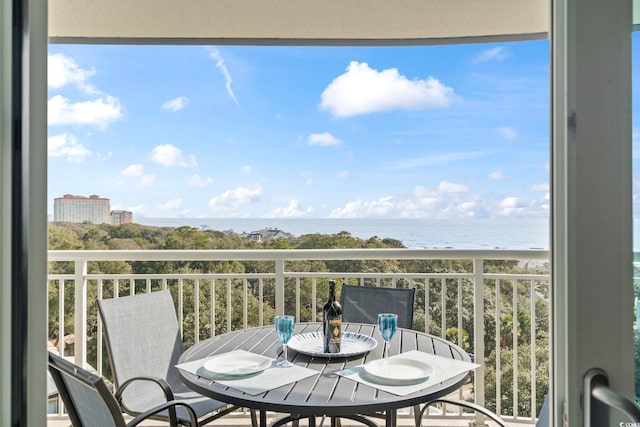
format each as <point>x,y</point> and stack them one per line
<point>249,372</point>
<point>404,373</point>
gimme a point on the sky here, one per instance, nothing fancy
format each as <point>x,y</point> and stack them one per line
<point>458,131</point>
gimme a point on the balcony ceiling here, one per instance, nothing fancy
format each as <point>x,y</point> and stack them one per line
<point>297,21</point>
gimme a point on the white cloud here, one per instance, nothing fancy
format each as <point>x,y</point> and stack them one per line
<point>291,211</point>
<point>133,170</point>
<point>67,145</point>
<point>63,70</point>
<point>447,201</point>
<point>363,90</point>
<point>170,205</point>
<point>497,176</point>
<point>215,55</point>
<point>99,112</point>
<point>511,206</point>
<point>382,207</point>
<point>198,181</point>
<point>468,209</point>
<point>496,53</point>
<point>343,174</point>
<point>147,180</point>
<point>324,138</point>
<point>236,198</point>
<point>507,133</point>
<point>169,155</point>
<point>176,104</point>
<point>246,170</point>
<point>510,202</point>
<point>540,188</point>
<point>450,187</point>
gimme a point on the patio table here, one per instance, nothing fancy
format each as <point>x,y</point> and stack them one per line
<point>326,394</point>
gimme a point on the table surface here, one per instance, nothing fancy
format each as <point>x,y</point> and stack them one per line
<point>326,394</point>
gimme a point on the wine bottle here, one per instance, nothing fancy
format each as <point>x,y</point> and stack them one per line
<point>332,321</point>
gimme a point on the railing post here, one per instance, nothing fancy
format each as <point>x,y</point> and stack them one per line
<point>478,336</point>
<point>80,313</point>
<point>279,287</point>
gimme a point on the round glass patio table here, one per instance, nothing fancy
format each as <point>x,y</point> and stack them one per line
<point>327,394</point>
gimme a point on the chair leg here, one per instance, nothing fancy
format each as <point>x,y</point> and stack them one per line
<point>254,418</point>
<point>417,415</point>
<point>467,405</point>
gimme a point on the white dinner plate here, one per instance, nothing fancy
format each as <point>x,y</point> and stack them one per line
<point>398,369</point>
<point>352,344</point>
<point>237,364</point>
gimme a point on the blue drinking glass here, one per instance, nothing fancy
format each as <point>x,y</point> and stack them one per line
<point>388,325</point>
<point>284,328</point>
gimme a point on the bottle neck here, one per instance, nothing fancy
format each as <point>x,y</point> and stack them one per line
<point>332,292</point>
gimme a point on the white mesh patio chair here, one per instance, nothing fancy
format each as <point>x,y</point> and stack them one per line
<point>144,343</point>
<point>89,402</point>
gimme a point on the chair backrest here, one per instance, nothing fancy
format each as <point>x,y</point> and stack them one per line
<point>86,397</point>
<point>143,339</point>
<point>363,304</point>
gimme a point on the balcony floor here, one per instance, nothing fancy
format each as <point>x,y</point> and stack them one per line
<point>245,421</point>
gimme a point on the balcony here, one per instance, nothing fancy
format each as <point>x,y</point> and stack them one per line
<point>495,304</point>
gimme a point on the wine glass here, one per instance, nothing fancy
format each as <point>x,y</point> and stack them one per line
<point>388,324</point>
<point>284,329</point>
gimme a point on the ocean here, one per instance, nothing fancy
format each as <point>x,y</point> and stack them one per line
<point>485,233</point>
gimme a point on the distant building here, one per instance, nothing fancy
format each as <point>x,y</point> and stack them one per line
<point>536,264</point>
<point>268,233</point>
<point>121,217</point>
<point>93,209</point>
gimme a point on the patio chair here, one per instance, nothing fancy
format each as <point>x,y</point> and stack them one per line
<point>90,403</point>
<point>543,416</point>
<point>362,304</point>
<point>477,408</point>
<point>144,343</point>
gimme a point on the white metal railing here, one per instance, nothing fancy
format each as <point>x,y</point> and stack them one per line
<point>467,302</point>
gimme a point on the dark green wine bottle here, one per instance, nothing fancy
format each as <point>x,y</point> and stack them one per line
<point>332,321</point>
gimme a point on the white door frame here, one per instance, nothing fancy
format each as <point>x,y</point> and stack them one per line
<point>592,200</point>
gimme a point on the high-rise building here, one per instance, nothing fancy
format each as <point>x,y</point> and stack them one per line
<point>93,209</point>
<point>121,217</point>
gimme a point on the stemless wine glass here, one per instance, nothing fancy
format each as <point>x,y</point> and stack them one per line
<point>388,324</point>
<point>284,329</point>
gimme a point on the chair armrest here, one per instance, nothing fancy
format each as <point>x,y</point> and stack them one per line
<point>163,384</point>
<point>468,405</point>
<point>172,404</point>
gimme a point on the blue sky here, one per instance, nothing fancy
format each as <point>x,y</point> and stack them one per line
<point>325,132</point>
